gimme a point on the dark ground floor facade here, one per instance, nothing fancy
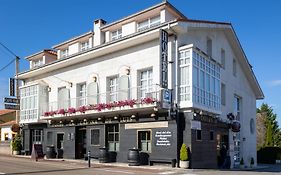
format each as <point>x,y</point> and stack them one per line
<point>157,137</point>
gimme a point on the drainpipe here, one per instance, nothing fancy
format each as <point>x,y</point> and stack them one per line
<point>175,90</point>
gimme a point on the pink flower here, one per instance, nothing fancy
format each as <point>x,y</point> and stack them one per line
<point>82,109</point>
<point>147,100</point>
<point>71,110</point>
<point>61,111</point>
<point>46,114</point>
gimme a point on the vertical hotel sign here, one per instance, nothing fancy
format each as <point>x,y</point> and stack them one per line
<point>163,58</point>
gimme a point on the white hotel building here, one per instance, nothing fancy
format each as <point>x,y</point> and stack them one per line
<point>104,88</point>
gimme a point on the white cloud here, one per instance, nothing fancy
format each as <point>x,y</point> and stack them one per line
<point>275,83</point>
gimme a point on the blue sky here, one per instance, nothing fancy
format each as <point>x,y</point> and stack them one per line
<point>29,26</point>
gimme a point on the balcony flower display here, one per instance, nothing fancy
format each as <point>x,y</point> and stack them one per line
<point>61,111</point>
<point>147,100</point>
<point>82,109</point>
<point>101,106</point>
<point>71,110</point>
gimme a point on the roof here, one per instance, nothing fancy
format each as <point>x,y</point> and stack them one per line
<point>50,51</point>
<point>204,21</point>
<point>6,111</point>
<point>146,10</point>
<point>73,39</point>
<point>8,123</point>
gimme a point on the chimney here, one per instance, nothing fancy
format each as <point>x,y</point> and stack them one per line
<point>98,36</point>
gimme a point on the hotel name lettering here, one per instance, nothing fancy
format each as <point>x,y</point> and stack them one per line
<point>164,58</point>
<point>163,138</point>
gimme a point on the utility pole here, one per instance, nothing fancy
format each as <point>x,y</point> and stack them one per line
<point>17,87</point>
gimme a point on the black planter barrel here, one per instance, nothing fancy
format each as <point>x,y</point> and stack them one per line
<point>134,157</point>
<point>103,156</point>
<point>60,153</point>
<point>50,152</point>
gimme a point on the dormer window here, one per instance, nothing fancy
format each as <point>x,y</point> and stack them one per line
<point>151,22</point>
<point>64,53</point>
<point>37,63</point>
<point>84,46</point>
<point>116,34</point>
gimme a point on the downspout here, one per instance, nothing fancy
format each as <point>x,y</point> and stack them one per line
<point>175,90</point>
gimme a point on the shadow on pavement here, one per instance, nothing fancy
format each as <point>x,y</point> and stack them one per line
<point>47,171</point>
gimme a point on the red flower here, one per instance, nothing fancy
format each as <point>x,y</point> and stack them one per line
<point>147,100</point>
<point>46,114</point>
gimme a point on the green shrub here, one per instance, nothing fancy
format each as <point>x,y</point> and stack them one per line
<point>242,161</point>
<point>16,143</point>
<point>183,153</point>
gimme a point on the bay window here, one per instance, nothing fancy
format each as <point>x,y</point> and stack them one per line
<point>199,79</point>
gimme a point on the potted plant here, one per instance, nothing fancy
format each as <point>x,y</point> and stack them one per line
<point>252,162</point>
<point>16,145</point>
<point>184,157</point>
<point>242,163</point>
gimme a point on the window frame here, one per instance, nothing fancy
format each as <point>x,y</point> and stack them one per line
<point>64,53</point>
<point>138,141</point>
<point>91,144</point>
<point>81,94</point>
<point>116,34</point>
<point>148,79</point>
<point>149,23</point>
<point>197,135</point>
<point>84,45</point>
<point>114,133</point>
<point>112,88</point>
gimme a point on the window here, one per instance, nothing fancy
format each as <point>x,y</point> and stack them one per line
<point>237,107</point>
<point>29,102</point>
<point>113,137</point>
<point>81,94</point>
<point>63,98</point>
<point>37,136</point>
<point>223,58</point>
<point>151,22</point>
<point>223,94</point>
<point>206,81</point>
<point>209,47</point>
<point>50,137</point>
<point>84,46</point>
<point>113,87</point>
<point>116,34</point>
<point>185,64</point>
<point>234,71</point>
<point>64,53</point>
<point>37,63</point>
<point>146,79</point>
<point>198,135</point>
<point>144,141</point>
<point>211,135</point>
<point>95,136</point>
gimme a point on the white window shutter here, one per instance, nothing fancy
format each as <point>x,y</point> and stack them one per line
<point>123,87</point>
<point>92,93</point>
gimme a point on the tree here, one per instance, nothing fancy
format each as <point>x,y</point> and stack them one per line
<point>273,133</point>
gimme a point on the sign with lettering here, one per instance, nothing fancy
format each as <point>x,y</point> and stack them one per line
<point>12,106</point>
<point>12,87</point>
<point>164,58</point>
<point>166,98</point>
<point>195,125</point>
<point>163,138</point>
<point>11,100</point>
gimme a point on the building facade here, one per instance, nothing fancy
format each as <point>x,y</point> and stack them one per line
<point>153,80</point>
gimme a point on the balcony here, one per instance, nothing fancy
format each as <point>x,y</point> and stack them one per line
<point>130,100</point>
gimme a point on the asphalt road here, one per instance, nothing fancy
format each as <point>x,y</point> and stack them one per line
<point>13,165</point>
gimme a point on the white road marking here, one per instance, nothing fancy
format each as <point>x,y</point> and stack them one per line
<point>114,171</point>
<point>2,173</point>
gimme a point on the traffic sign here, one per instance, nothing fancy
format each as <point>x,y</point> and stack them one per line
<point>12,87</point>
<point>11,100</point>
<point>12,106</point>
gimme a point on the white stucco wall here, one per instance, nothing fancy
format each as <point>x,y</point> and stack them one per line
<point>4,130</point>
<point>235,85</point>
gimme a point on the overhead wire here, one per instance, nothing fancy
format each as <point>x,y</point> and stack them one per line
<point>11,52</point>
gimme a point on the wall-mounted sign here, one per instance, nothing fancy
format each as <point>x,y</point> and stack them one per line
<point>164,58</point>
<point>163,138</point>
<point>12,106</point>
<point>166,98</point>
<point>11,100</point>
<point>12,87</point>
